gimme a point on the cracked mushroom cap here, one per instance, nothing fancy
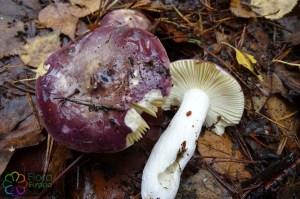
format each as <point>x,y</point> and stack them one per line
<point>94,90</point>
<point>226,96</point>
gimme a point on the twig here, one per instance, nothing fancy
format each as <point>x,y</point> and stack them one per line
<point>61,175</point>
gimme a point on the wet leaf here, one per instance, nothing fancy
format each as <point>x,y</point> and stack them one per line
<point>273,9</point>
<point>221,147</point>
<point>246,60</point>
<point>37,49</point>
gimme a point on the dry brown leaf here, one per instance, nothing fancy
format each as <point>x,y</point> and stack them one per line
<point>202,185</point>
<point>273,9</point>
<point>294,37</point>
<point>5,156</point>
<point>285,114</point>
<point>238,10</point>
<point>290,78</point>
<point>9,42</point>
<point>12,113</point>
<point>261,37</point>
<point>18,126</point>
<point>91,5</point>
<point>177,35</point>
<point>62,17</point>
<point>221,37</point>
<point>107,188</point>
<point>37,49</point>
<point>257,102</point>
<point>213,145</point>
<point>277,86</point>
<point>59,156</point>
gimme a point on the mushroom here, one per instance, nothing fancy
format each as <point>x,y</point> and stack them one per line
<point>94,90</point>
<point>207,94</point>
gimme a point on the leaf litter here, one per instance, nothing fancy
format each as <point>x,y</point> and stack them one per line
<point>224,167</point>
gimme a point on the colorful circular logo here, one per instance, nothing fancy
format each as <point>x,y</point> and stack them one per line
<point>14,184</point>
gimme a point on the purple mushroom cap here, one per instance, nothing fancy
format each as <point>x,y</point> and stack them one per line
<point>91,84</point>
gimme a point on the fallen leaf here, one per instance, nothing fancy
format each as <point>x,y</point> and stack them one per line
<point>176,35</point>
<point>291,24</point>
<point>246,60</point>
<point>292,190</point>
<point>27,134</point>
<point>5,156</point>
<point>12,9</point>
<point>57,163</point>
<point>260,35</point>
<point>277,86</point>
<point>91,5</point>
<point>84,187</point>
<point>36,50</point>
<point>221,147</point>
<point>284,113</point>
<point>240,11</point>
<point>294,38</point>
<point>202,185</point>
<point>32,4</point>
<point>18,125</point>
<point>107,188</point>
<point>62,17</point>
<point>273,9</point>
<point>113,175</point>
<point>12,113</point>
<point>290,78</point>
<point>257,102</point>
<point>9,42</point>
<point>221,36</point>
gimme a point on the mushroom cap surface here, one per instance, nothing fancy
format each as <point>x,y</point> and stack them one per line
<point>85,99</point>
<point>125,17</point>
<point>225,93</point>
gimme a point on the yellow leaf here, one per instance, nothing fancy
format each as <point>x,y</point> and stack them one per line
<point>36,50</point>
<point>246,60</point>
<point>41,70</point>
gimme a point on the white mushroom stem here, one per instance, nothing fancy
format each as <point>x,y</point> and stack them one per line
<point>161,175</point>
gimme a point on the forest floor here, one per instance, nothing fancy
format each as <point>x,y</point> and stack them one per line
<point>259,158</point>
